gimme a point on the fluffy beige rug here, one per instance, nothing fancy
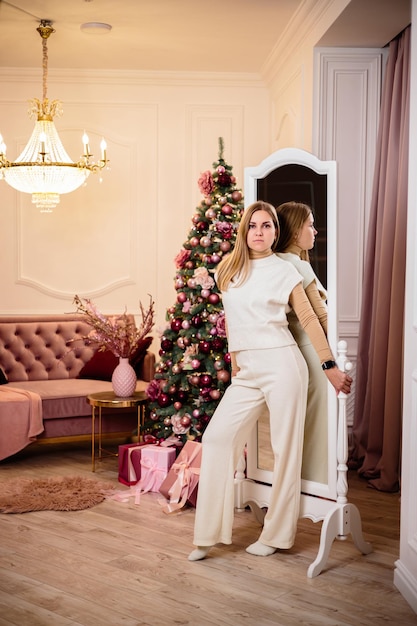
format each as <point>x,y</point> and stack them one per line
<point>68,493</point>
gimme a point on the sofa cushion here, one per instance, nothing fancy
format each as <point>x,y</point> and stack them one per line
<point>67,397</point>
<point>137,358</point>
<point>100,366</point>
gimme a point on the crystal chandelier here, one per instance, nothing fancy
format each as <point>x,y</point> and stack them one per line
<point>44,169</point>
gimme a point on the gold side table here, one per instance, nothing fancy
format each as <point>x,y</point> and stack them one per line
<point>108,400</point>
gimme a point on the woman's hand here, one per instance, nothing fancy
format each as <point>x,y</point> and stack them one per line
<point>340,380</point>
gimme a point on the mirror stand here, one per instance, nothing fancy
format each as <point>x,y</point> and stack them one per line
<point>293,174</point>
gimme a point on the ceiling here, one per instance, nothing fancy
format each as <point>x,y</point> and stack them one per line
<point>179,35</point>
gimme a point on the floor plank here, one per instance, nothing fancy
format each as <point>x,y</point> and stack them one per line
<point>121,564</point>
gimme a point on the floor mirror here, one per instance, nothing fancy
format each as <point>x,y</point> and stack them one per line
<point>293,174</point>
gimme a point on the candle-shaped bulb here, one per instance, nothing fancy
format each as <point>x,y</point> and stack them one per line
<point>86,146</point>
<point>103,146</point>
<point>42,139</point>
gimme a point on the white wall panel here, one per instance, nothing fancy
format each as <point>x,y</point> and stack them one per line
<point>348,99</point>
<point>115,242</point>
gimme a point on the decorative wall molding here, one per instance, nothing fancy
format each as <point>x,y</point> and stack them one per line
<point>133,77</point>
<point>347,100</point>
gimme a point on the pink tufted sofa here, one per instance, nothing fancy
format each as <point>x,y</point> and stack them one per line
<point>35,357</point>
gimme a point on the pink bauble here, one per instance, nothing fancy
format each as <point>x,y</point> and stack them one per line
<point>179,283</point>
<point>176,324</point>
<point>185,421</point>
<point>208,201</point>
<point>227,209</point>
<point>181,297</point>
<point>166,344</point>
<point>204,347</point>
<point>218,344</point>
<point>172,389</point>
<point>205,293</point>
<point>205,242</point>
<point>236,196</point>
<point>227,358</point>
<point>191,283</point>
<point>206,380</point>
<point>225,246</point>
<point>177,406</point>
<point>163,399</point>
<point>223,376</point>
<point>218,365</point>
<point>213,298</point>
<point>210,214</point>
<point>167,421</point>
<point>176,369</point>
<point>215,394</point>
<point>201,226</point>
<point>195,364</point>
<point>213,318</point>
<point>171,310</point>
<point>194,241</point>
<point>196,413</point>
<point>185,324</point>
<point>194,379</point>
<point>215,258</point>
<point>189,264</point>
<point>180,343</point>
<point>195,218</point>
<point>222,200</point>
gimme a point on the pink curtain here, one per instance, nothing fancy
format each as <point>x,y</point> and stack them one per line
<point>378,397</point>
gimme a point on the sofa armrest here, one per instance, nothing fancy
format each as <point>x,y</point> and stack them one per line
<point>147,367</point>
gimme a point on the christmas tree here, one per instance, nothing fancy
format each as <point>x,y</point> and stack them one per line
<point>193,371</point>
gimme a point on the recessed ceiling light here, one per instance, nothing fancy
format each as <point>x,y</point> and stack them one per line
<point>95,28</point>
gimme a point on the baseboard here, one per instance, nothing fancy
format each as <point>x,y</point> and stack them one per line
<point>406,584</point>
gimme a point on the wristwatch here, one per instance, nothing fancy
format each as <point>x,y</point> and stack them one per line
<point>328,365</point>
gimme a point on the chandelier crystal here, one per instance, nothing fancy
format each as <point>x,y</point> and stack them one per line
<point>44,168</point>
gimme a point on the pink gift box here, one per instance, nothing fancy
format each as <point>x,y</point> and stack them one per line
<point>181,484</point>
<point>129,463</point>
<point>155,463</point>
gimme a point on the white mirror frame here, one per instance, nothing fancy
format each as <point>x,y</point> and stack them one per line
<point>319,502</point>
<point>293,156</point>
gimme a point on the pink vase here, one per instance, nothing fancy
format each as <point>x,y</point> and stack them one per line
<point>124,379</point>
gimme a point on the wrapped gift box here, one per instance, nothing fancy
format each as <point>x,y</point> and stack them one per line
<point>129,463</point>
<point>155,463</point>
<point>181,484</point>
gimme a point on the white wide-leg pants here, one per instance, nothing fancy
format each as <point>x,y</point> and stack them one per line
<point>279,377</point>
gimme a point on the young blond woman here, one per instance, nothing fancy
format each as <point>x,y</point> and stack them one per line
<point>296,239</point>
<point>258,288</point>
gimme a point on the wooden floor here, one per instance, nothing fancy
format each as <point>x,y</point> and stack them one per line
<point>126,565</point>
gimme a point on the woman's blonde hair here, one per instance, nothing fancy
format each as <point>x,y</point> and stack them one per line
<point>236,264</point>
<point>292,217</point>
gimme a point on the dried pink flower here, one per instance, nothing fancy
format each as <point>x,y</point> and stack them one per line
<point>182,257</point>
<point>206,183</point>
<point>202,278</point>
<point>221,325</point>
<point>225,229</point>
<point>117,333</point>
<point>153,390</point>
<point>177,427</point>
